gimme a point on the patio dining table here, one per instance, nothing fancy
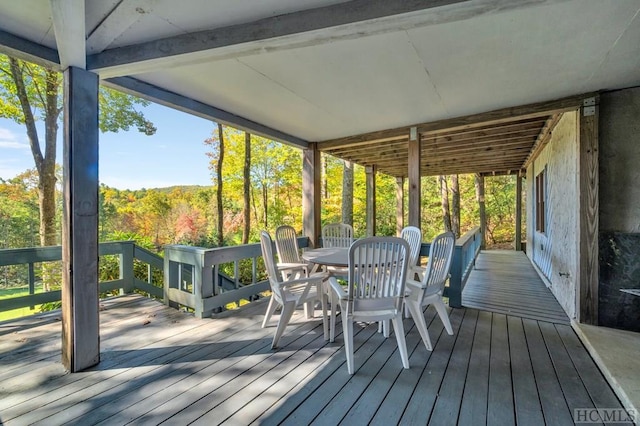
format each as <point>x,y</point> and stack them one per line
<point>329,256</point>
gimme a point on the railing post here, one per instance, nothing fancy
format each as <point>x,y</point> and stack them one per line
<point>204,288</point>
<point>455,281</point>
<point>126,268</point>
<point>171,280</point>
<point>32,282</point>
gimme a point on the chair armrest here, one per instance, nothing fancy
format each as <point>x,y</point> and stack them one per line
<point>337,288</point>
<point>290,266</point>
<point>415,284</point>
<point>315,279</point>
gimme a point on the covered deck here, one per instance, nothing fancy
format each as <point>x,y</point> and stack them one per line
<point>159,364</point>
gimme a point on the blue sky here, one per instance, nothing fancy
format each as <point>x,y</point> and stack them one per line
<point>175,155</point>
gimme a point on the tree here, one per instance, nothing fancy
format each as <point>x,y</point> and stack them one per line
<point>479,184</point>
<point>31,92</point>
<point>219,189</point>
<point>455,205</point>
<point>347,193</point>
<point>444,199</point>
<point>246,189</point>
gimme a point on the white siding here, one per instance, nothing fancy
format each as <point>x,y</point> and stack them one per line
<point>555,251</point>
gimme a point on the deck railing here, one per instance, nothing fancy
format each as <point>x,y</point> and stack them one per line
<point>194,276</point>
<point>128,254</point>
<point>464,259</point>
<point>203,279</point>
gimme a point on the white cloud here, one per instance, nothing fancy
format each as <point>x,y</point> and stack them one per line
<point>10,140</point>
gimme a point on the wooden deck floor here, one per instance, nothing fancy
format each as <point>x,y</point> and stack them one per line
<point>504,281</point>
<point>160,365</point>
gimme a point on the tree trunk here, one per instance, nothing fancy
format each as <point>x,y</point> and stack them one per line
<point>479,181</point>
<point>444,199</point>
<point>347,193</point>
<point>246,188</point>
<point>455,205</point>
<point>323,173</point>
<point>265,199</point>
<point>219,189</point>
<point>45,164</point>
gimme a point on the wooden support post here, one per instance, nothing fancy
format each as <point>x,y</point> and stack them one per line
<point>481,209</point>
<point>80,316</point>
<point>399,205</point>
<point>370,184</point>
<point>414,177</point>
<point>518,242</point>
<point>588,270</point>
<point>311,202</point>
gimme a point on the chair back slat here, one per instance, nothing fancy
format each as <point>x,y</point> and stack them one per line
<point>337,235</point>
<point>377,274</point>
<point>413,235</point>
<point>287,244</point>
<point>440,257</point>
<point>266,244</point>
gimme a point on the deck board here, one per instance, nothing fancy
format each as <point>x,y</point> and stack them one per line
<point>159,364</point>
<point>505,282</point>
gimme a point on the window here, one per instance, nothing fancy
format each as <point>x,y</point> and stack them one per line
<point>541,201</point>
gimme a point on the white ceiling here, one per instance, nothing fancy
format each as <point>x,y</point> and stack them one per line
<point>392,71</point>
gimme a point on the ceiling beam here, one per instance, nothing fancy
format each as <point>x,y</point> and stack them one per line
<point>69,27</point>
<point>345,20</point>
<point>26,50</point>
<point>153,93</point>
<point>125,14</point>
<point>485,119</point>
<point>542,139</point>
<point>271,29</point>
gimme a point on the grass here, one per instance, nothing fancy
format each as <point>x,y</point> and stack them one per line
<point>8,293</point>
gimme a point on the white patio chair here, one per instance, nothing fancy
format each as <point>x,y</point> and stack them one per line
<point>337,235</point>
<point>290,292</point>
<point>377,276</point>
<point>428,291</point>
<point>289,261</point>
<point>413,236</point>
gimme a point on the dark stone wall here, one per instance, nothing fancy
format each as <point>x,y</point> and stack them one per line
<point>619,268</point>
<point>619,193</point>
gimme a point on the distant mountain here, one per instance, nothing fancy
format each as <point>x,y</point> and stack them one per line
<point>184,188</point>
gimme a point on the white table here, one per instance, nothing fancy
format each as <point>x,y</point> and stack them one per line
<point>330,256</point>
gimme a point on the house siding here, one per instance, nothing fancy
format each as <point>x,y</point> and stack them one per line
<point>619,192</point>
<point>554,252</point>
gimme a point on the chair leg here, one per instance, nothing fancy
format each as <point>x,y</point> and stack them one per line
<point>384,328</point>
<point>421,324</point>
<point>271,308</point>
<point>444,315</point>
<point>285,317</point>
<point>398,328</point>
<point>325,322</point>
<point>347,329</point>
<point>332,324</point>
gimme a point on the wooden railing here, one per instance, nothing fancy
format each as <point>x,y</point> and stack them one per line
<point>194,276</point>
<point>127,251</point>
<point>464,259</point>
